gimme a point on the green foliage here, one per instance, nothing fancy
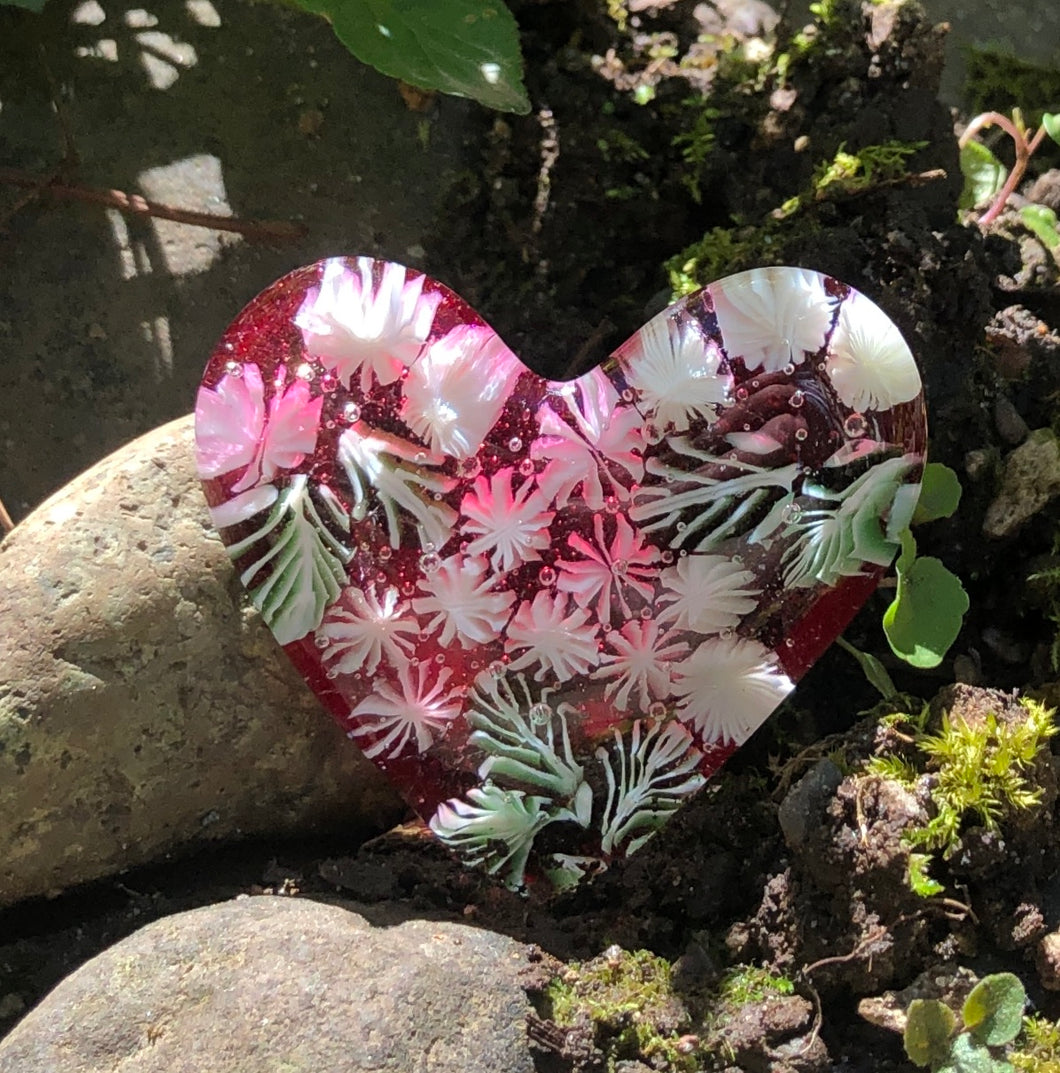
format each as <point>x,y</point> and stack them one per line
<point>991,1019</point>
<point>979,776</point>
<point>925,616</point>
<point>749,983</point>
<point>847,174</point>
<point>984,175</point>
<point>920,882</point>
<point>624,995</point>
<point>697,144</point>
<point>29,5</point>
<point>720,252</point>
<point>940,494</point>
<point>993,1012</point>
<point>1000,81</point>
<point>853,172</point>
<point>1039,1049</point>
<point>928,1028</point>
<point>1046,585</point>
<point>469,48</point>
<point>1043,222</point>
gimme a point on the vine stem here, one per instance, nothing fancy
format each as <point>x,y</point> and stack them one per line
<point>1024,151</point>
<point>135,205</point>
<point>6,524</point>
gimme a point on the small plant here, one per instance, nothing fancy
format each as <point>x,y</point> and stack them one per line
<point>991,1018</point>
<point>469,48</point>
<point>979,774</point>
<point>628,999</point>
<point>749,983</point>
<point>985,177</point>
<point>1039,1047</point>
<point>848,174</point>
<point>925,616</point>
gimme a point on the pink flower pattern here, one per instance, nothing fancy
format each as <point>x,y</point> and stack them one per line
<point>496,539</point>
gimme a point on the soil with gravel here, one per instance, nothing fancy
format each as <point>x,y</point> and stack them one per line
<point>560,235</point>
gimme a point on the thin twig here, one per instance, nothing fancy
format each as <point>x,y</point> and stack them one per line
<point>71,157</point>
<point>5,519</point>
<point>135,205</point>
<point>916,178</point>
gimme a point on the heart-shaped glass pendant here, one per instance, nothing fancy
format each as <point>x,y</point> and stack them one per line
<point>550,610</point>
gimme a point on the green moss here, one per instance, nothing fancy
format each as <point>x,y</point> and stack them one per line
<point>628,999</point>
<point>979,776</point>
<point>997,82</point>
<point>720,252</point>
<point>725,250</point>
<point>1038,1048</point>
<point>1045,585</point>
<point>749,983</point>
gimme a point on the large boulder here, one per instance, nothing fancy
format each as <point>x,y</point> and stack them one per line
<point>144,705</point>
<point>280,984</point>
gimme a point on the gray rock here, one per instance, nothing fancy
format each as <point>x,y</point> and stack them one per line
<point>1031,478</point>
<point>144,706</point>
<point>284,986</point>
<point>802,810</point>
<point>944,983</point>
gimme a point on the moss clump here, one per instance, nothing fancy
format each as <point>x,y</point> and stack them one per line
<point>998,82</point>
<point>1038,1048</point>
<point>725,250</point>
<point>749,983</point>
<point>978,773</point>
<point>628,999</point>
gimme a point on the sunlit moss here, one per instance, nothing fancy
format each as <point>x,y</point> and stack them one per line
<point>628,998</point>
<point>978,775</point>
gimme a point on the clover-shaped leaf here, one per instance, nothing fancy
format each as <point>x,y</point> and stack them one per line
<point>929,1025</point>
<point>993,1012</point>
<point>940,493</point>
<point>1051,122</point>
<point>925,616</point>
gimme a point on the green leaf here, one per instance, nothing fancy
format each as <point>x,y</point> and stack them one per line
<point>925,617</point>
<point>968,1056</point>
<point>304,565</point>
<point>872,668</point>
<point>940,492</point>
<point>469,48</point>
<point>984,175</point>
<point>928,1027</point>
<point>29,5</point>
<point>1042,221</point>
<point>993,1012</point>
<point>1051,122</point>
<point>920,882</point>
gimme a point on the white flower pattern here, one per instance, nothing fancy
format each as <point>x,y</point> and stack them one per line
<point>511,527</point>
<point>464,602</point>
<point>547,632</point>
<point>455,392</point>
<point>371,629</point>
<point>677,373</point>
<point>413,713</point>
<point>360,328</point>
<point>571,599</point>
<point>727,687</point>
<point>707,593</point>
<point>869,363</point>
<point>772,317</point>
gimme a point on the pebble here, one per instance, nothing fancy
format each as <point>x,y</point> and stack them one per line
<point>144,705</point>
<point>284,984</point>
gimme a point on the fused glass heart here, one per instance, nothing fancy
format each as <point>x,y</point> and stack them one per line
<point>549,610</point>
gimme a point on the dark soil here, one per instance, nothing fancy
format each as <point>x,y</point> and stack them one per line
<point>561,235</point>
